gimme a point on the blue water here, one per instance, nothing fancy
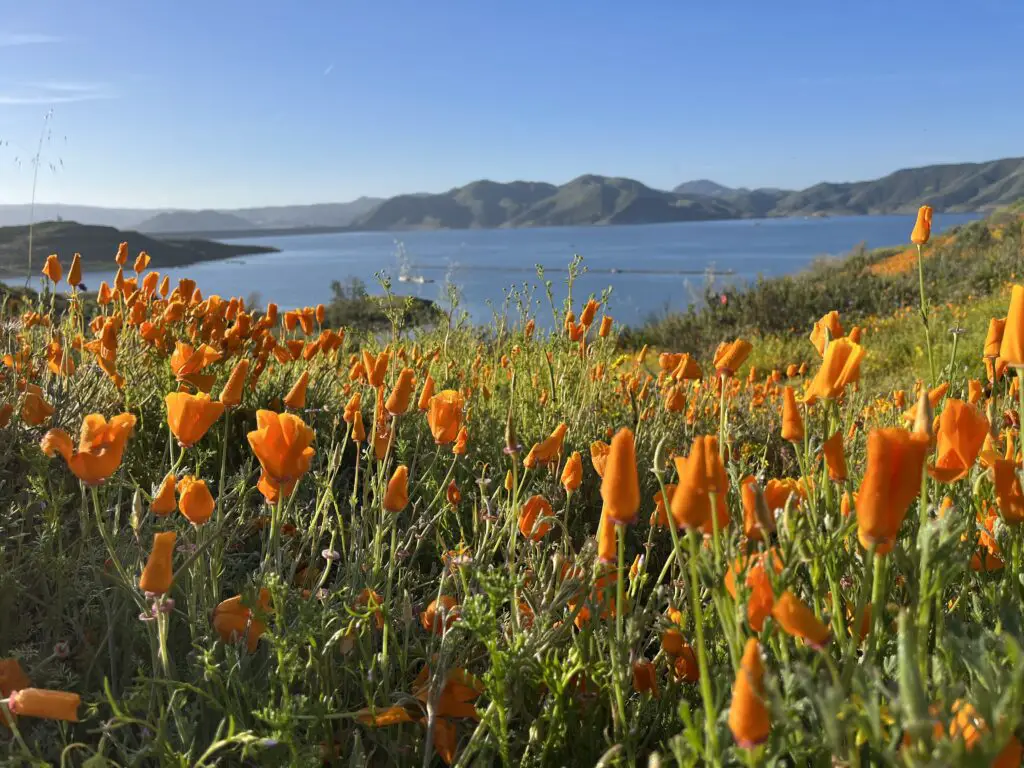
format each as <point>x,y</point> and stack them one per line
<point>484,264</point>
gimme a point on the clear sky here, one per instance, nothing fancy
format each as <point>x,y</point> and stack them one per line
<point>223,103</point>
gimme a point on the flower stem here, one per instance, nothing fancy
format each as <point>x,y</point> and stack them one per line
<point>924,316</point>
<point>710,718</point>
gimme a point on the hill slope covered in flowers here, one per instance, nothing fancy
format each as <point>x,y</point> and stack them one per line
<point>236,537</point>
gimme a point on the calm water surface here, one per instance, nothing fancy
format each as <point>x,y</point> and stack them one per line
<point>658,267</point>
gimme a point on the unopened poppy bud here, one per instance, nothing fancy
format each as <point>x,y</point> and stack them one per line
<point>925,416</point>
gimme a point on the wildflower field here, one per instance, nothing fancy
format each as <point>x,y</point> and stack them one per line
<point>235,536</point>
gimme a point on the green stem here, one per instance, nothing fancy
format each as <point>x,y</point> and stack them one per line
<point>924,316</point>
<point>710,718</point>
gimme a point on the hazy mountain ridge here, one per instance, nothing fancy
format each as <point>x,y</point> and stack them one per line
<point>588,199</point>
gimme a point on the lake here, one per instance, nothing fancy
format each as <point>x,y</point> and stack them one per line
<point>659,267</point>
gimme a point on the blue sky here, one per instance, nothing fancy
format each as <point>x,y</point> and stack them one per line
<point>227,103</point>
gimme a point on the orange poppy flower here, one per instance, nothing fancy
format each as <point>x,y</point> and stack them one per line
<point>599,456</point>
<point>572,473</point>
<point>398,401</point>
<point>934,398</point>
<point>370,599</point>
<point>75,273</point>
<point>645,677</point>
<point>358,428</point>
<point>835,457</point>
<point>620,484</point>
<point>195,500</point>
<point>760,598</point>
<point>686,369</point>
<point>748,716</point>
<point>191,416</point>
<point>440,615</point>
<point>792,421</point>
<point>234,619</point>
<point>296,398</point>
<point>675,400</point>
<point>156,576</point>
<point>757,518</point>
<point>700,475</point>
<point>685,667</point>
<point>141,262</point>
<point>231,395</point>
<point>461,446</point>
<point>352,407</point>
<point>396,498</point>
<point>839,367</point>
<point>1011,347</point>
<point>445,416</point>
<point>34,408</point>
<point>607,551</point>
<point>6,410</point>
<point>730,355</point>
<point>606,326</point>
<point>962,432</point>
<point>1009,495</point>
<point>452,494</point>
<point>187,364</point>
<point>100,446</point>
<point>164,502</point>
<point>923,226</point>
<point>975,391</point>
<point>51,705</point>
<point>376,368</point>
<point>426,394</point>
<point>829,322</point>
<point>548,450</point>
<point>659,516</point>
<point>534,518</point>
<point>994,337</point>
<point>52,268</point>
<point>895,459</point>
<point>797,620</point>
<point>281,442</point>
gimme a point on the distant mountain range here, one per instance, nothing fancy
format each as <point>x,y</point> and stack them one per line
<point>586,200</point>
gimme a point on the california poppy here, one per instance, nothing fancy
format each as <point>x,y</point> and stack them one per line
<point>892,480</point>
<point>675,401</point>
<point>839,367</point>
<point>760,598</point>
<point>187,363</point>
<point>1011,347</point>
<point>548,450</point>
<point>661,506</point>
<point>534,518</point>
<point>748,716</point>
<point>358,428</point>
<point>645,677</point>
<point>296,398</point>
<point>599,456</point>
<point>100,446</point>
<point>156,576</point>
<point>34,408</point>
<point>830,323</point>
<point>686,369</point>
<point>281,442</point>
<point>164,501</point>
<point>572,473</point>
<point>51,705</point>
<point>191,416</point>
<point>792,421</point>
<point>962,432</point>
<point>440,614</point>
<point>730,355</point>
<point>398,401</point>
<point>397,496</point>
<point>376,368</point>
<point>606,326</point>
<point>1009,495</point>
<point>195,500</point>
<point>620,484</point>
<point>231,395</point>
<point>234,619</point>
<point>923,226</point>
<point>835,457</point>
<point>75,273</point>
<point>701,474</point>
<point>798,620</point>
<point>757,517</point>
<point>445,416</point>
<point>935,396</point>
<point>426,394</point>
<point>994,337</point>
<point>52,268</point>
<point>461,446</point>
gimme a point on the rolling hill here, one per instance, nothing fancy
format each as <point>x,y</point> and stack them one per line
<point>194,221</point>
<point>99,244</point>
